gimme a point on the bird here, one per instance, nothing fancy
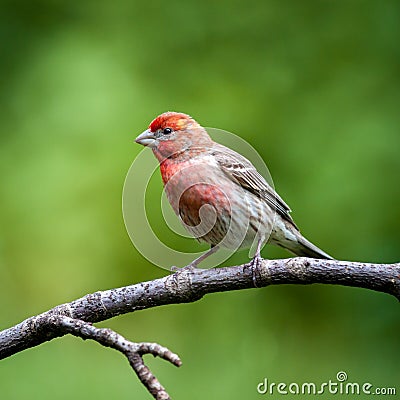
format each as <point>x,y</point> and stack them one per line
<point>218,194</point>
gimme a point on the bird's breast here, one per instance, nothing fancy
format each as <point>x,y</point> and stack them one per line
<point>212,207</point>
<point>190,185</point>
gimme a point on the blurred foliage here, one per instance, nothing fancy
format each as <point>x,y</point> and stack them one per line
<point>314,86</point>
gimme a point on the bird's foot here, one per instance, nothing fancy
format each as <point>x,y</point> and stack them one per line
<point>192,267</point>
<point>256,261</point>
<point>254,265</point>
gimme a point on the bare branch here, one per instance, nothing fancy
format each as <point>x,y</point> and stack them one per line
<point>132,351</point>
<point>185,286</point>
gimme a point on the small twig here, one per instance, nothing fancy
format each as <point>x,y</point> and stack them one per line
<point>132,351</point>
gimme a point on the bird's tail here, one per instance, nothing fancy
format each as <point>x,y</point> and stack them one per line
<point>304,248</point>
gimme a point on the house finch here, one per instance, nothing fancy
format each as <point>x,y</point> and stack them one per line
<point>217,193</point>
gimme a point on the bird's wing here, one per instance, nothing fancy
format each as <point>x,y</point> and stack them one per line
<point>241,171</point>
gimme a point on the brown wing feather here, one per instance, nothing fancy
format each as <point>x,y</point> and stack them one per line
<point>242,171</point>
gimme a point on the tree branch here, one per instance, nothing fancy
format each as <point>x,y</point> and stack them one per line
<point>184,286</point>
<point>132,351</point>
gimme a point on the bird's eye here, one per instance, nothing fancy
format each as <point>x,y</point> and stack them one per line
<point>167,131</point>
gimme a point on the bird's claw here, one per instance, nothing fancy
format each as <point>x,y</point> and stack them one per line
<point>256,261</point>
<point>255,264</point>
<point>190,268</point>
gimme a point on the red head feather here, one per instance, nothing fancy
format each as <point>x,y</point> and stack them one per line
<point>170,119</point>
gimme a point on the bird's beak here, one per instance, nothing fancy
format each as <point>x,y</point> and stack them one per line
<point>146,138</point>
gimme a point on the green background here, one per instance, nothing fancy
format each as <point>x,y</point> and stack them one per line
<point>313,85</point>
